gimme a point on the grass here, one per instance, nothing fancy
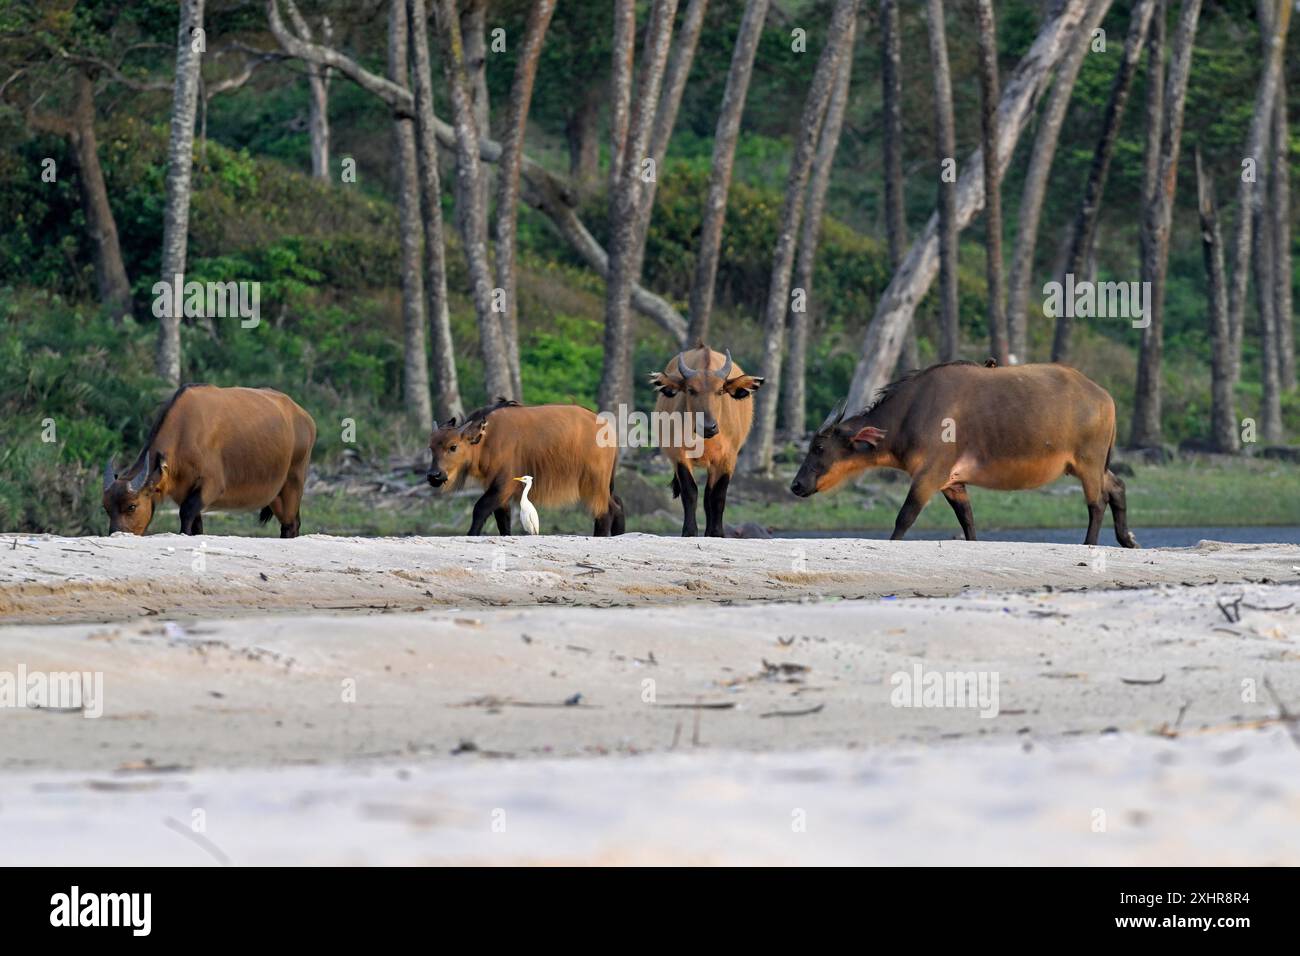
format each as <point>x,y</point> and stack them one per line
<point>1200,492</point>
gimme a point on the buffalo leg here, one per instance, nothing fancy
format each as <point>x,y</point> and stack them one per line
<point>1092,493</point>
<point>960,501</point>
<point>484,508</point>
<point>287,507</point>
<point>917,498</point>
<point>715,503</point>
<point>619,524</point>
<point>690,494</point>
<point>604,524</point>
<point>192,512</point>
<point>503,520</point>
<point>1117,498</point>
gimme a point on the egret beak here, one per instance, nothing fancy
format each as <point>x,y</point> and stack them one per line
<point>516,479</point>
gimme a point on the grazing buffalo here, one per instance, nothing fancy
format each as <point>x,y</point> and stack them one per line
<point>704,387</point>
<point>962,424</point>
<point>217,448</point>
<point>556,444</point>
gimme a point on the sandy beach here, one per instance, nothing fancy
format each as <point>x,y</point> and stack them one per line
<point>370,688</point>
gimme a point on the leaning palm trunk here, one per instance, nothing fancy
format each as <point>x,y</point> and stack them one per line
<point>415,369</point>
<point>180,159</point>
<point>1147,395</point>
<point>446,383</point>
<point>761,446</point>
<point>1035,188</point>
<point>512,155</point>
<point>945,144</point>
<point>883,339</point>
<point>794,402</point>
<point>1084,228</point>
<point>110,269</point>
<point>724,152</point>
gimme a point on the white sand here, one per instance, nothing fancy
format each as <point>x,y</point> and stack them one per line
<point>725,684</point>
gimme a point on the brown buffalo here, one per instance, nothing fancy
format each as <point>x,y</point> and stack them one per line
<point>961,424</point>
<point>217,448</point>
<point>701,386</point>
<point>556,444</point>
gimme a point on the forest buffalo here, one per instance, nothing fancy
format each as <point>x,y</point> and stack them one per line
<point>556,444</point>
<point>702,386</point>
<point>217,448</point>
<point>962,424</point>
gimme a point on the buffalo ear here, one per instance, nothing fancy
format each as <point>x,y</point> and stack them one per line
<point>742,385</point>
<point>157,472</point>
<point>666,386</point>
<point>474,431</point>
<point>450,423</point>
<point>870,435</point>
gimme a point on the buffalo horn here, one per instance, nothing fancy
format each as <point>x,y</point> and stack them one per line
<point>723,372</point>
<point>142,475</point>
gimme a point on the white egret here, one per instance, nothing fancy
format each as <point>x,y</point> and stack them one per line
<point>527,513</point>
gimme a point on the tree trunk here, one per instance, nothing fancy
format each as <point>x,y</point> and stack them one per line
<point>761,443</point>
<point>180,160</point>
<point>1273,31</point>
<point>473,31</point>
<point>883,338</point>
<point>470,211</point>
<point>724,153</point>
<point>794,402</point>
<point>626,251</point>
<point>1281,211</point>
<point>550,194</point>
<point>581,130</point>
<point>674,83</point>
<point>446,382</point>
<point>891,97</point>
<point>620,86</point>
<point>318,102</point>
<point>1036,178</point>
<point>415,366</point>
<point>512,153</point>
<point>1084,229</point>
<point>1270,410</point>
<point>670,99</point>
<point>945,144</point>
<point>988,69</point>
<point>114,288</point>
<point>1147,430</point>
<point>1223,419</point>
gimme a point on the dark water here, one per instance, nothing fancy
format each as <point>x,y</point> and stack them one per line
<point>1147,537</point>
